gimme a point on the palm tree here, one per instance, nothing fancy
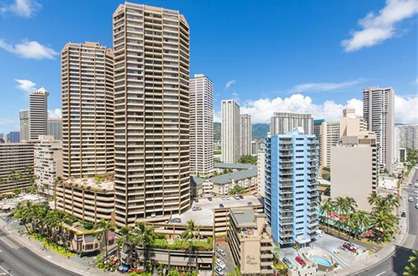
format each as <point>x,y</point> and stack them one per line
<point>411,269</point>
<point>327,207</point>
<point>384,225</point>
<point>358,222</point>
<point>144,238</point>
<point>189,235</point>
<point>106,226</point>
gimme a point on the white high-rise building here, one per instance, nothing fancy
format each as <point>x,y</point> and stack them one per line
<point>378,111</point>
<point>261,171</point>
<point>38,113</point>
<point>152,112</point>
<point>287,122</point>
<point>47,164</point>
<point>230,131</point>
<point>24,125</point>
<point>87,110</point>
<point>55,128</point>
<point>246,135</point>
<point>329,137</point>
<point>407,136</point>
<point>201,125</point>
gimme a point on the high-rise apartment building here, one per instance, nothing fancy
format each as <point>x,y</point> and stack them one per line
<point>407,136</point>
<point>246,135</point>
<point>230,131</point>
<point>378,111</point>
<point>201,125</point>
<point>16,166</point>
<point>38,113</point>
<point>152,156</point>
<point>292,198</point>
<point>351,124</point>
<point>285,122</point>
<point>13,137</point>
<point>87,110</point>
<point>354,168</point>
<point>47,164</point>
<point>55,128</point>
<point>329,137</point>
<point>24,125</point>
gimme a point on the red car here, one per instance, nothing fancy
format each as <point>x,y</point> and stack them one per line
<point>300,261</point>
<point>350,247</point>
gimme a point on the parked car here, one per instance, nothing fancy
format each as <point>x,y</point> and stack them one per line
<point>300,261</point>
<point>287,261</point>
<point>221,205</point>
<point>219,271</point>
<point>350,247</point>
<point>416,206</point>
<point>123,268</point>
<point>237,197</point>
<point>403,214</point>
<point>221,265</point>
<point>220,251</point>
<point>410,199</point>
<point>209,198</point>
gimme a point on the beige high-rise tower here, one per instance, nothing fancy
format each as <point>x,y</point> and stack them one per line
<point>246,135</point>
<point>201,125</point>
<point>87,110</point>
<point>152,157</point>
<point>230,131</point>
<point>38,113</point>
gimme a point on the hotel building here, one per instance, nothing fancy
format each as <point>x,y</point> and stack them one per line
<point>230,131</point>
<point>38,113</point>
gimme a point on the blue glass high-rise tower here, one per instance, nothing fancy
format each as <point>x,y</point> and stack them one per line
<point>292,196</point>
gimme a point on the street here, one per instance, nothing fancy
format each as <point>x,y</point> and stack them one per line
<point>396,263</point>
<point>19,261</point>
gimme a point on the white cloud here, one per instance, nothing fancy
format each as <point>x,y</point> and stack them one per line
<point>29,50</point>
<point>55,113</point>
<point>323,86</point>
<point>25,85</point>
<point>230,83</point>
<point>376,28</point>
<point>261,110</point>
<point>23,8</point>
<point>406,109</point>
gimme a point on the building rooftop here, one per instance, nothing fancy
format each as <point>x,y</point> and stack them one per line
<point>203,214</point>
<point>243,217</point>
<point>239,175</point>
<point>103,184</point>
<point>237,166</point>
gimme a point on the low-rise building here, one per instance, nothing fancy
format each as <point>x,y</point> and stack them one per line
<point>89,199</point>
<point>247,179</point>
<point>250,241</point>
<point>47,164</point>
<point>16,166</point>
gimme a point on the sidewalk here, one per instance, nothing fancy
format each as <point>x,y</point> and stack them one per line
<point>386,252</point>
<point>69,264</point>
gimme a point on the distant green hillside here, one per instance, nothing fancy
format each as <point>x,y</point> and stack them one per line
<point>259,131</point>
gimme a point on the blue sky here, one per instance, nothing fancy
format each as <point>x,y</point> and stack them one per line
<point>313,56</point>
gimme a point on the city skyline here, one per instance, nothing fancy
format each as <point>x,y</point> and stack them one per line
<point>324,91</point>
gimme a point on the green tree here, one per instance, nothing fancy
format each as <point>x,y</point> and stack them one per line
<point>105,227</point>
<point>144,237</point>
<point>235,272</point>
<point>328,207</point>
<point>411,269</point>
<point>248,159</point>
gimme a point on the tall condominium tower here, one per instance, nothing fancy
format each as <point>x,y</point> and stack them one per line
<point>291,189</point>
<point>152,156</point>
<point>246,136</point>
<point>55,128</point>
<point>24,125</point>
<point>38,113</point>
<point>378,111</point>
<point>201,125</point>
<point>329,137</point>
<point>230,131</point>
<point>285,122</point>
<point>407,136</point>
<point>87,110</point>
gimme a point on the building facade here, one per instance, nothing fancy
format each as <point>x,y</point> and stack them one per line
<point>355,168</point>
<point>55,128</point>
<point>328,138</point>
<point>261,172</point>
<point>38,113</point>
<point>87,109</point>
<point>152,155</point>
<point>379,113</point>
<point>13,137</point>
<point>246,135</point>
<point>16,166</point>
<point>292,198</point>
<point>230,131</point>
<point>24,125</point>
<point>285,122</point>
<point>201,125</point>
<point>407,136</point>
<point>47,164</point>
<point>249,238</point>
